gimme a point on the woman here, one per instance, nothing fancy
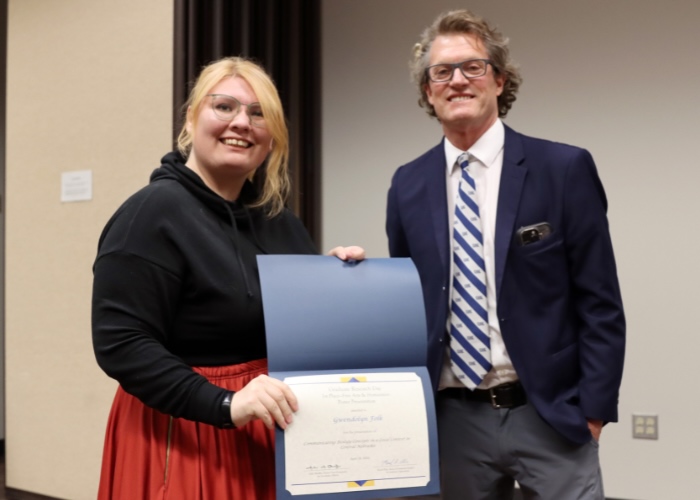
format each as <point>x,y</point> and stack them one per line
<point>177,310</point>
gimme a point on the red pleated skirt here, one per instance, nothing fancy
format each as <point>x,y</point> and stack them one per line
<point>149,455</point>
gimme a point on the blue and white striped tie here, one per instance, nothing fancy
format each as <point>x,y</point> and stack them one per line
<point>470,345</point>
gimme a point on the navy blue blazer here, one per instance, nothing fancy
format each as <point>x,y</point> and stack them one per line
<point>559,303</point>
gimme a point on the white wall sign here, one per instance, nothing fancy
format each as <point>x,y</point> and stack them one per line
<point>76,186</point>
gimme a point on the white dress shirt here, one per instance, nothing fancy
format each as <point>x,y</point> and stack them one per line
<point>486,163</point>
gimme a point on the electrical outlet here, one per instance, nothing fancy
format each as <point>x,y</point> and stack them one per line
<point>645,426</point>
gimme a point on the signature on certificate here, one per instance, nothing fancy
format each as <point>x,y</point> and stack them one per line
<point>395,461</point>
<point>321,467</point>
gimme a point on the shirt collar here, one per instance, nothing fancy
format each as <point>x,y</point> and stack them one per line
<point>485,149</point>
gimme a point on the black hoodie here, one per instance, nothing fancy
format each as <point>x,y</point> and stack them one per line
<point>176,285</point>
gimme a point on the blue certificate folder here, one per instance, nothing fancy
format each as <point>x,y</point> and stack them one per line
<point>323,315</point>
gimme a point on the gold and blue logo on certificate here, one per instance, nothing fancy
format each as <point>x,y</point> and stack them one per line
<point>360,484</point>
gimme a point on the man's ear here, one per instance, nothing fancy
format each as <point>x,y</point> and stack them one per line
<point>501,82</point>
<point>428,92</point>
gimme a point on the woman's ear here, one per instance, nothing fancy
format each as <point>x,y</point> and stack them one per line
<point>188,120</point>
<point>272,143</point>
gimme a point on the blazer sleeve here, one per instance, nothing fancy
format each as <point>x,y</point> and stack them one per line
<point>596,291</point>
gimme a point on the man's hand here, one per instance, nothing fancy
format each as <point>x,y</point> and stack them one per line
<point>596,427</point>
<point>348,253</point>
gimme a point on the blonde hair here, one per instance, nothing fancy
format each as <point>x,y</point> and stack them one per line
<point>465,22</point>
<point>276,187</point>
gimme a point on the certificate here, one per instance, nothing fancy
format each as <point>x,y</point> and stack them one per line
<point>350,339</point>
<point>364,430</point>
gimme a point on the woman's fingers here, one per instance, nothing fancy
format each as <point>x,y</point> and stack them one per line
<point>264,398</point>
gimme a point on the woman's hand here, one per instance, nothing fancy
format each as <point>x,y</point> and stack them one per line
<point>348,253</point>
<point>267,399</point>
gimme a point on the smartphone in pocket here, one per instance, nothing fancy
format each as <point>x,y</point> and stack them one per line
<point>533,233</point>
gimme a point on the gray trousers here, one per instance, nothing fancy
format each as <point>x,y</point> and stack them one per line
<point>483,451</point>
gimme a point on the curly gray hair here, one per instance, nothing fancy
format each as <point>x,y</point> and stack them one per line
<point>465,22</point>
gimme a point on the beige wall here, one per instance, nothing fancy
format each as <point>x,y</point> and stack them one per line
<point>617,77</point>
<point>89,87</point>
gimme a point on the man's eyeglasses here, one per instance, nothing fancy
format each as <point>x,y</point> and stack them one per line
<point>471,68</point>
<point>226,108</point>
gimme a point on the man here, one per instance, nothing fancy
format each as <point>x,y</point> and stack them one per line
<point>510,237</point>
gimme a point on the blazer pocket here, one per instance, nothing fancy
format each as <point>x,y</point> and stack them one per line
<point>539,247</point>
<point>569,350</point>
<point>565,364</point>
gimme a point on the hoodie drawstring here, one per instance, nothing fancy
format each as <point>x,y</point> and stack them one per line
<point>235,237</point>
<point>252,230</point>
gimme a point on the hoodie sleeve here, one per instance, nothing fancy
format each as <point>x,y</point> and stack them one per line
<point>134,301</point>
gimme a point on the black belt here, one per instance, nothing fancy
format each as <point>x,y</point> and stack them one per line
<point>502,396</point>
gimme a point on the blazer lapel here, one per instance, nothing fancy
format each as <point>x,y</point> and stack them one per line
<point>512,181</point>
<point>436,187</point>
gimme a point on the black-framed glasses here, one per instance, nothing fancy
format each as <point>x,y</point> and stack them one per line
<point>227,107</point>
<point>471,68</point>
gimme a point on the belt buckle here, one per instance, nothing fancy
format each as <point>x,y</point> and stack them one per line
<point>494,399</point>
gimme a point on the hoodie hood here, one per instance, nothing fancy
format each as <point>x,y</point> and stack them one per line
<point>173,168</point>
<point>232,213</point>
